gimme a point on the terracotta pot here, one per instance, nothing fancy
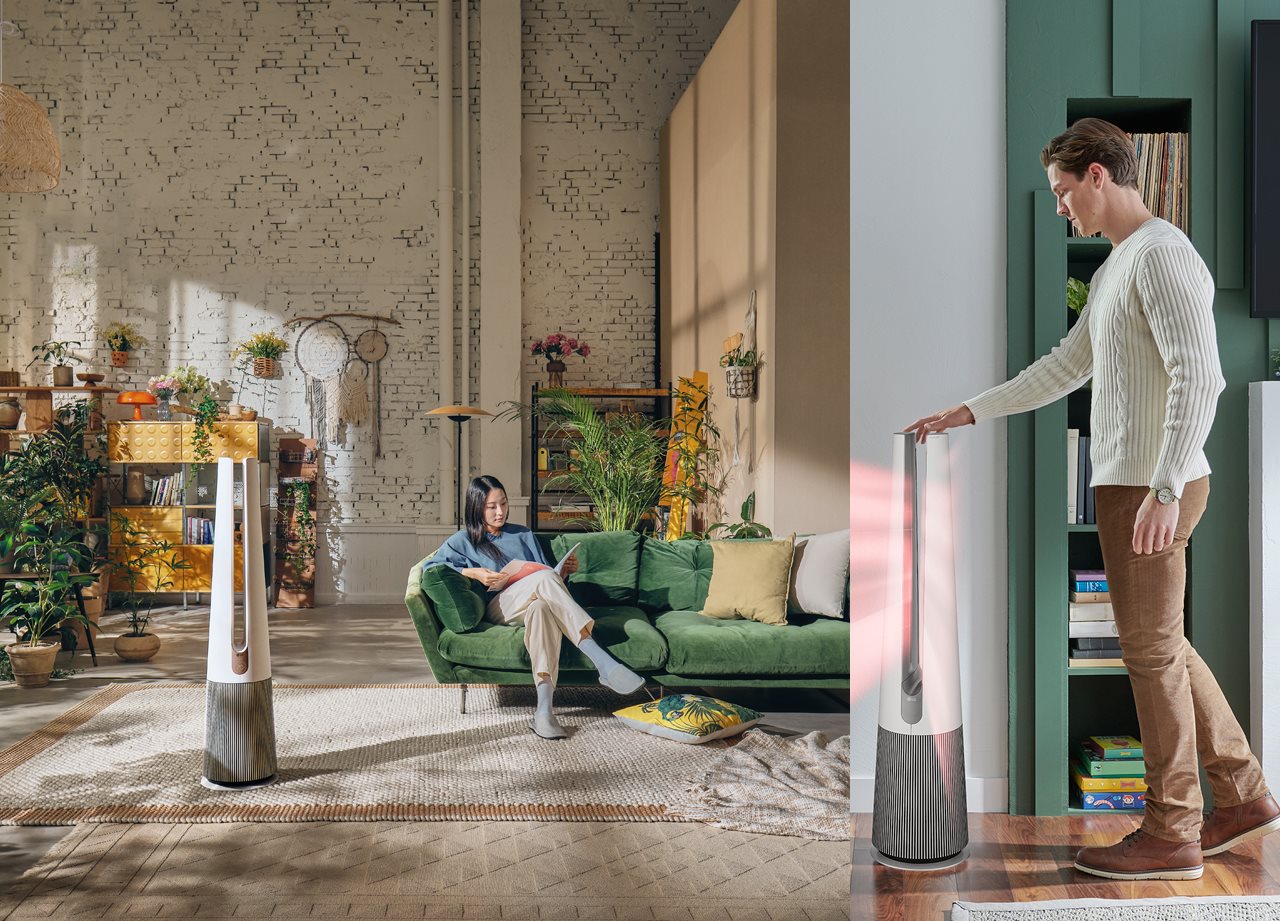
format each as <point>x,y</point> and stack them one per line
<point>555,373</point>
<point>288,597</point>
<point>265,367</point>
<point>119,359</point>
<point>10,413</point>
<point>137,648</point>
<point>62,375</point>
<point>32,665</point>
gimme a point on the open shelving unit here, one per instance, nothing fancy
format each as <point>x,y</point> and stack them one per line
<point>545,509</point>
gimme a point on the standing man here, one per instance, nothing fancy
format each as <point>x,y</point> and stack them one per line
<point>1147,339</point>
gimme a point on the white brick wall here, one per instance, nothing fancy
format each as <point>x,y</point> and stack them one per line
<point>229,166</point>
<point>599,81</point>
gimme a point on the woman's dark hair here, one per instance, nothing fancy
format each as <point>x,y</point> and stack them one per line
<point>473,516</point>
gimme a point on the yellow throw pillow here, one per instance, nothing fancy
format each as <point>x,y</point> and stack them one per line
<point>689,718</point>
<point>750,578</point>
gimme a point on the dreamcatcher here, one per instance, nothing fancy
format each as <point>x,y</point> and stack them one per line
<point>338,373</point>
<point>323,353</point>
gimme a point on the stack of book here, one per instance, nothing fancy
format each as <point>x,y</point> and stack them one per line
<point>1092,637</point>
<point>166,490</point>
<point>1079,474</point>
<point>1109,773</point>
<point>199,531</point>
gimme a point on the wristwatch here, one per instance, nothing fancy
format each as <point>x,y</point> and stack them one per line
<point>1164,495</point>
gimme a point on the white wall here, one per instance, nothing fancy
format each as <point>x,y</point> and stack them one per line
<point>928,330</point>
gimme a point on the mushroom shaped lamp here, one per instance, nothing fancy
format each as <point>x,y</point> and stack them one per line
<point>137,399</point>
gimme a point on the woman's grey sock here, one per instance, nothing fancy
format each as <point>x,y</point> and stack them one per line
<point>544,722</point>
<point>613,674</point>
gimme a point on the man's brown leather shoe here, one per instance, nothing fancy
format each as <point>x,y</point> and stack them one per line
<point>1143,856</point>
<point>1224,828</point>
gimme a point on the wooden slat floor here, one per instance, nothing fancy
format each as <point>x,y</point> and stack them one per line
<point>1026,859</point>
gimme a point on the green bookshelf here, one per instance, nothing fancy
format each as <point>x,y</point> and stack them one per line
<point>1150,68</point>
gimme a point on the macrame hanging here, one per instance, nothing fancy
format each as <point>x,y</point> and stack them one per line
<point>322,354</point>
<point>30,158</point>
<point>371,348</point>
<point>355,393</point>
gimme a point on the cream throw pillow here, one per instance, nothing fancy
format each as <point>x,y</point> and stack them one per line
<point>750,578</point>
<point>819,574</point>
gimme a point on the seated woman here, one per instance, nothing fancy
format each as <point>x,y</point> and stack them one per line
<point>540,602</point>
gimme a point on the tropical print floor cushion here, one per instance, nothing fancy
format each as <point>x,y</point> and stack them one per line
<point>689,718</point>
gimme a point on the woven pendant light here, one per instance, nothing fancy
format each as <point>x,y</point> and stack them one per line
<point>30,158</point>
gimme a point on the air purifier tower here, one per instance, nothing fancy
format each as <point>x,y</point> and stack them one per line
<point>240,738</point>
<point>921,817</point>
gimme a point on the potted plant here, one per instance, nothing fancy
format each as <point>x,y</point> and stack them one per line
<point>617,458</point>
<point>58,354</point>
<point>201,404</point>
<point>123,338</point>
<point>146,567</point>
<point>60,461</point>
<point>33,608</point>
<point>555,347</point>
<point>164,387</point>
<point>261,352</point>
<point>746,529</point>
<point>739,368</point>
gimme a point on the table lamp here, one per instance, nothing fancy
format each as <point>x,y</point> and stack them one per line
<point>137,399</point>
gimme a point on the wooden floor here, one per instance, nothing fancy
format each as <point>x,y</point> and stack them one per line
<point>1027,859</point>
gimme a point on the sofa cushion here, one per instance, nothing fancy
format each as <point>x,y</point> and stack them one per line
<point>674,575</point>
<point>608,566</point>
<point>809,646</point>
<point>459,601</point>
<point>749,579</point>
<point>689,718</point>
<point>820,574</point>
<point>625,632</point>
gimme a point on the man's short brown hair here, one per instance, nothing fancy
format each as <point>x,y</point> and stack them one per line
<point>1092,140</point>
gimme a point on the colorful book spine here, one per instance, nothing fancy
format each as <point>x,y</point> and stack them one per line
<point>1086,784</point>
<point>1099,767</point>
<point>1115,747</point>
<point>1113,801</point>
<point>1090,597</point>
<point>1092,586</point>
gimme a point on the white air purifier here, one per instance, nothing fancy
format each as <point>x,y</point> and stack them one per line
<point>239,737</point>
<point>921,819</point>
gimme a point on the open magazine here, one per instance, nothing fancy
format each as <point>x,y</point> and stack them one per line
<point>516,570</point>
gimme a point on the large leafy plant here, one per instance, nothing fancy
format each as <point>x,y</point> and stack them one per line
<point>47,548</point>
<point>616,459</point>
<point>747,528</point>
<point>61,465</point>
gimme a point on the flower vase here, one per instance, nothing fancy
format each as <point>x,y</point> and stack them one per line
<point>555,373</point>
<point>164,410</point>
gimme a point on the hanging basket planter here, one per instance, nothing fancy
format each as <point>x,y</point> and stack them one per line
<point>265,367</point>
<point>740,381</point>
<point>119,359</point>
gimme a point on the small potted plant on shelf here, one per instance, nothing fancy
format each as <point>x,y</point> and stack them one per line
<point>34,608</point>
<point>65,461</point>
<point>123,338</point>
<point>554,348</point>
<point>261,353</point>
<point>58,354</point>
<point>203,405</point>
<point>146,566</point>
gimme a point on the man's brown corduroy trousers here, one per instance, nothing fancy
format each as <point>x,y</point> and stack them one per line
<point>1181,710</point>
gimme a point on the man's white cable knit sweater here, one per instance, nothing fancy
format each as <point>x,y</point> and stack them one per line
<point>1147,338</point>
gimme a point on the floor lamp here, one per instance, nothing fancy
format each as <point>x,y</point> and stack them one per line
<point>458,414</point>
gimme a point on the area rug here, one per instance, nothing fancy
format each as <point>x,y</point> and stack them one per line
<point>589,871</point>
<point>776,785</point>
<point>134,753</point>
<point>1209,908</point>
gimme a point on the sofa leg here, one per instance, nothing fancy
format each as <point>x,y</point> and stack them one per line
<point>462,701</point>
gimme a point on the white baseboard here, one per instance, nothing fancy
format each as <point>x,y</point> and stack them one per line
<point>984,794</point>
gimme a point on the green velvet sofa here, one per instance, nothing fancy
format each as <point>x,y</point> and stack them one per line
<point>645,595</point>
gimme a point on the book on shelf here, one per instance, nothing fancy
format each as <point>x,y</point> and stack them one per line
<point>1082,664</point>
<point>1080,629</point>
<point>1086,784</point>
<point>1113,802</point>
<point>1082,477</point>
<point>1162,176</point>
<point>1115,747</point>
<point>1098,585</point>
<point>1093,654</point>
<point>1098,610</point>
<point>1096,642</point>
<point>1087,575</point>
<point>1090,597</point>
<point>166,490</point>
<point>1093,766</point>
<point>1089,517</point>
<point>1073,470</point>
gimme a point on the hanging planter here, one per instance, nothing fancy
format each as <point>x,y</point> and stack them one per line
<point>119,359</point>
<point>260,353</point>
<point>265,367</point>
<point>740,381</point>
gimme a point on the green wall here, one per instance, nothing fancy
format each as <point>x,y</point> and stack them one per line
<point>1122,54</point>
